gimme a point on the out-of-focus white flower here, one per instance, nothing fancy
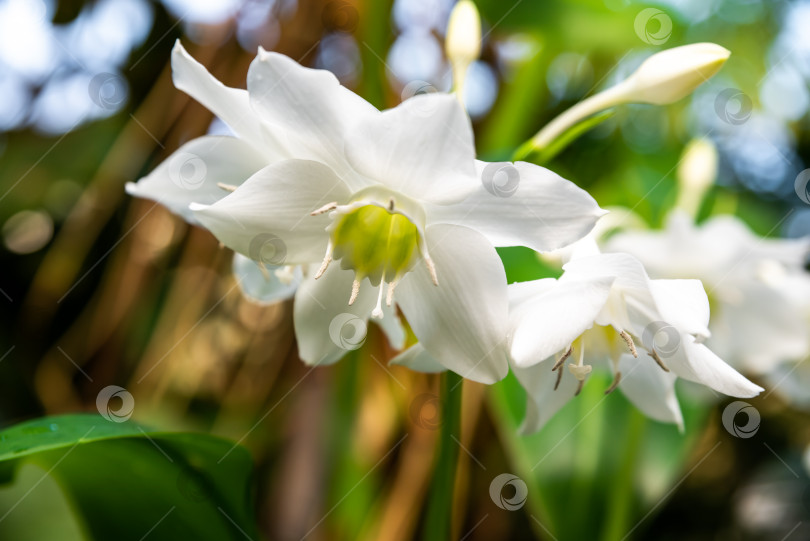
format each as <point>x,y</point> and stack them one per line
<point>605,310</point>
<point>757,286</point>
<point>663,78</point>
<point>396,198</point>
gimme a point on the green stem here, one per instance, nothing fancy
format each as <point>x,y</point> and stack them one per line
<point>439,521</point>
<point>620,503</point>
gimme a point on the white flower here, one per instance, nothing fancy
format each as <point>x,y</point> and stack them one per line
<point>755,284</point>
<point>605,310</point>
<point>395,198</point>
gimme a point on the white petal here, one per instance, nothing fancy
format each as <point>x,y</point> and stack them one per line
<point>549,322</point>
<point>523,205</point>
<point>310,107</point>
<point>542,400</point>
<point>698,363</point>
<point>326,327</point>
<point>650,389</point>
<point>429,157</point>
<point>191,174</point>
<point>231,105</point>
<point>268,217</point>
<point>683,304</point>
<point>462,322</point>
<point>263,287</point>
<point>391,325</point>
<point>416,358</point>
<point>521,292</point>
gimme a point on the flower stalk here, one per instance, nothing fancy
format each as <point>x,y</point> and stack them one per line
<point>439,521</point>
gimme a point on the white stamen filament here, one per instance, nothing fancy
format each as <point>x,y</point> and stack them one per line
<point>377,313</point>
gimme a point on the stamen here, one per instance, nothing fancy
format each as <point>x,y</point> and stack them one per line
<point>658,360</point>
<point>391,205</point>
<point>562,359</point>
<point>355,291</point>
<point>579,387</point>
<point>263,269</point>
<point>377,313</point>
<point>389,298</point>
<point>226,187</point>
<point>431,268</point>
<point>326,260</point>
<point>559,378</point>
<point>629,341</point>
<point>285,274</point>
<point>324,209</point>
<point>616,379</point>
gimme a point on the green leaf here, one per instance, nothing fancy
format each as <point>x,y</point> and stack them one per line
<point>126,481</point>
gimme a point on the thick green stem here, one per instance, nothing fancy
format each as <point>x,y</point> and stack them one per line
<point>439,520</point>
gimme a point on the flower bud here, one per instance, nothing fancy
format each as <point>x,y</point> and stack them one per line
<point>696,174</point>
<point>670,75</point>
<point>463,42</point>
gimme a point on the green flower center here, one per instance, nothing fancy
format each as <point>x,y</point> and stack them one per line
<point>375,242</point>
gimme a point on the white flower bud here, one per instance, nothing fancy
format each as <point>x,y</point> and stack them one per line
<point>696,174</point>
<point>463,33</point>
<point>670,75</point>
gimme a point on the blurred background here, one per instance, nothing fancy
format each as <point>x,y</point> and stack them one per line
<point>100,289</point>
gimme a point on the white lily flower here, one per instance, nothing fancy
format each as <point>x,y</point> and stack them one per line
<point>396,198</point>
<point>605,308</point>
<point>755,284</point>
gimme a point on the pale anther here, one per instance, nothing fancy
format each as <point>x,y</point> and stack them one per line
<point>355,291</point>
<point>326,208</point>
<point>630,344</point>
<point>658,360</point>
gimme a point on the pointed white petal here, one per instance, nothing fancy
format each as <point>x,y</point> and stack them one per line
<point>231,105</point>
<point>650,389</point>
<point>310,107</point>
<point>191,174</point>
<point>683,304</point>
<point>462,322</point>
<point>419,360</point>
<point>429,157</point>
<point>523,205</point>
<point>263,287</point>
<point>326,327</point>
<point>549,322</point>
<point>698,363</point>
<point>542,400</point>
<point>521,292</point>
<point>268,217</point>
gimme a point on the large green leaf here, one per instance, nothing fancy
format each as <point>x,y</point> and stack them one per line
<point>127,482</point>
